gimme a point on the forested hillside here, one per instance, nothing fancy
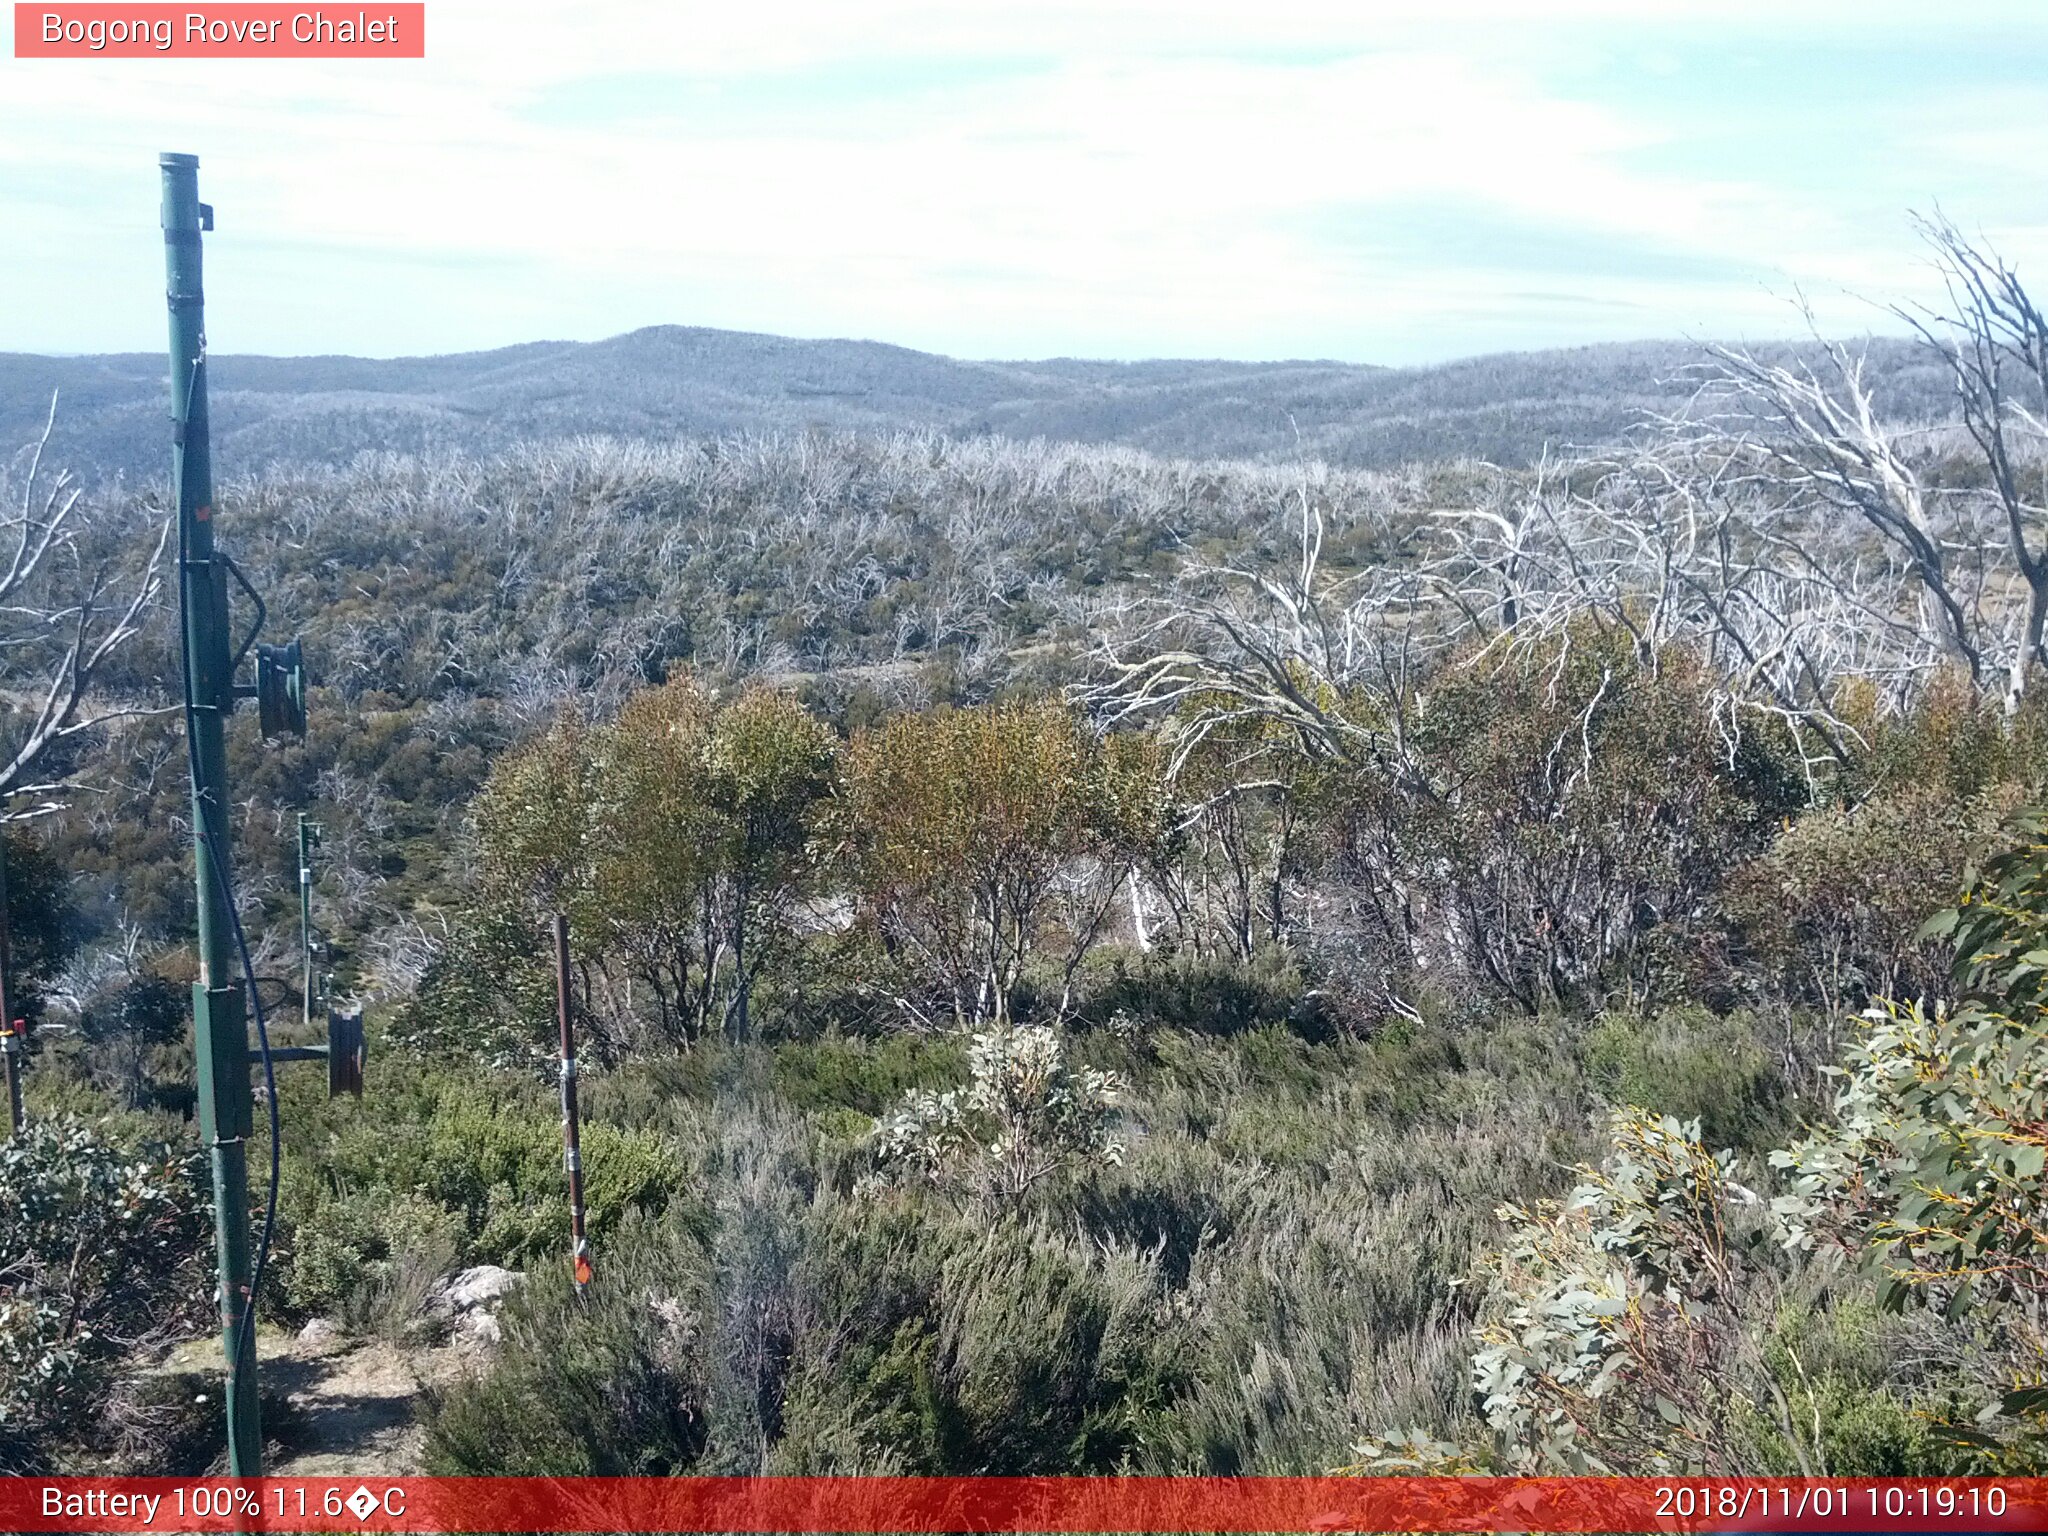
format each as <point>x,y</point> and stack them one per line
<point>1089,959</point>
<point>658,383</point>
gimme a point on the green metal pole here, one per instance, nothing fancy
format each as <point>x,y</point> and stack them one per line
<point>220,1034</point>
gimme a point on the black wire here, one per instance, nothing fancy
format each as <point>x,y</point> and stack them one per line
<point>245,1331</point>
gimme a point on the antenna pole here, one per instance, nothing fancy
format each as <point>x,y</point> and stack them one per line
<point>220,1035</point>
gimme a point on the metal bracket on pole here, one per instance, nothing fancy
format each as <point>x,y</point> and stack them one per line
<point>345,1053</point>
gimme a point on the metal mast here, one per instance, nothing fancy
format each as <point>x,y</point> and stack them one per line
<point>219,1029</point>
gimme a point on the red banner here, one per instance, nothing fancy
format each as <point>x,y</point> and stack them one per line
<point>1063,1504</point>
<point>224,31</point>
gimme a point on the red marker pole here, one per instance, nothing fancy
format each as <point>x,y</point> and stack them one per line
<point>13,1031</point>
<point>11,1042</point>
<point>572,1156</point>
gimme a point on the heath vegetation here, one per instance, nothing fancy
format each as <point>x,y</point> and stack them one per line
<point>1094,962</point>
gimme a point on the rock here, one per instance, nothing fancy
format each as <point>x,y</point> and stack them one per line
<point>320,1334</point>
<point>482,1286</point>
<point>479,1328</point>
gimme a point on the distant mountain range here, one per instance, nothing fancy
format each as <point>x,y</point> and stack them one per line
<point>671,381</point>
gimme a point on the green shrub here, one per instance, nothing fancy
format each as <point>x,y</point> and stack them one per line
<point>1830,916</point>
<point>1692,1064</point>
<point>939,1343</point>
<point>1839,1357</point>
<point>369,1260</point>
<point>474,1162</point>
<point>612,1384</point>
<point>1647,1322</point>
<point>1049,1353</point>
<point>863,1074</point>
<point>100,1242</point>
<point>1026,1114</point>
<point>862,1395</point>
<point>1607,1302</point>
<point>1203,994</point>
<point>1933,1174</point>
<point>1271,1268</point>
<point>1557,813</point>
<point>651,1092</point>
<point>899,1335</point>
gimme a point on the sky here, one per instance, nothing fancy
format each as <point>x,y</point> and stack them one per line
<point>1398,182</point>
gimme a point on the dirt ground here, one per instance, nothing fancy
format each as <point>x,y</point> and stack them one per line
<point>348,1407</point>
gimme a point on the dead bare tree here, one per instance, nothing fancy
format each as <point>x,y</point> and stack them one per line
<point>1250,672</point>
<point>1724,537</point>
<point>1813,433</point>
<point>1290,646</point>
<point>1965,549</point>
<point>1680,545</point>
<point>1995,342</point>
<point>1726,532</point>
<point>72,593</point>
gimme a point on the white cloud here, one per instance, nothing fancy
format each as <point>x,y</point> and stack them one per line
<point>1155,178</point>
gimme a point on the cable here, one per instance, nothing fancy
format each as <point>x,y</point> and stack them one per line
<point>245,1332</point>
